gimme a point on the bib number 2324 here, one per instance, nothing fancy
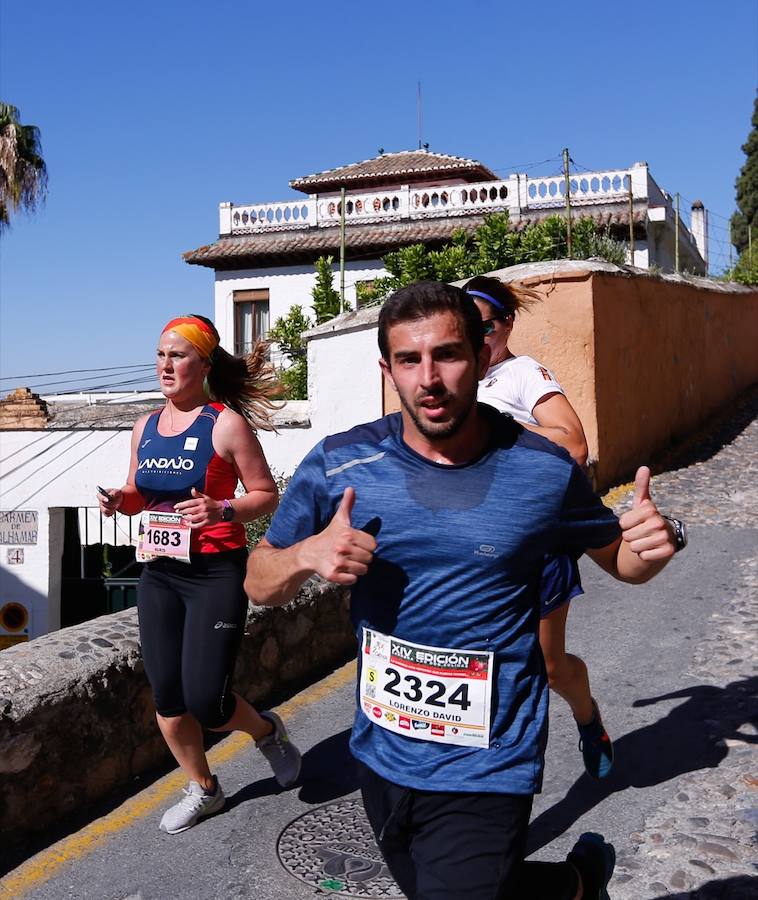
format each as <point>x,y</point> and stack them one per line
<point>427,693</point>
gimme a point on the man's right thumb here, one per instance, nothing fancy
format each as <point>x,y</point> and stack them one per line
<point>345,509</point>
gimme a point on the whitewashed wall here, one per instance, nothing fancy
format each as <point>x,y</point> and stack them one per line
<point>344,389</point>
<point>46,471</point>
<point>287,286</point>
<point>28,584</point>
<point>49,470</point>
<point>344,380</point>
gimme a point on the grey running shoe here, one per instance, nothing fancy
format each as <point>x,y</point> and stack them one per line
<point>195,805</point>
<point>282,755</point>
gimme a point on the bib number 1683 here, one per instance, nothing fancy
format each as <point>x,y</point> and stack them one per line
<point>159,537</point>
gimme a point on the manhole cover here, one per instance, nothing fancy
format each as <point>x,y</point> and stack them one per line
<point>332,848</point>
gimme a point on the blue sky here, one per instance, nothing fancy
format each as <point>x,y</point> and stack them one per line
<point>153,113</point>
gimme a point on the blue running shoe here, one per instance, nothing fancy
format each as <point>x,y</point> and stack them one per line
<point>594,859</point>
<point>596,746</point>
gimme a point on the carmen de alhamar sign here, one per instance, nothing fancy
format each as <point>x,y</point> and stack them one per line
<point>19,526</point>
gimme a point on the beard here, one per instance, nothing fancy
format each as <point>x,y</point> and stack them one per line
<point>459,407</point>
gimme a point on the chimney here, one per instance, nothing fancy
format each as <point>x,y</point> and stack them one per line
<point>699,221</point>
<point>23,409</point>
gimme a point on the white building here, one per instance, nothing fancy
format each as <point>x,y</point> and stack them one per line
<point>52,540</point>
<point>264,256</point>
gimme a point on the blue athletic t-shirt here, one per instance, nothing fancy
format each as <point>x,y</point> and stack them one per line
<point>457,565</point>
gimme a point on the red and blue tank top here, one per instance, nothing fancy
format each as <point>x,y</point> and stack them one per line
<point>169,467</point>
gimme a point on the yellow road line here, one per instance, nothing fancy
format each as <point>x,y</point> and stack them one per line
<point>47,863</point>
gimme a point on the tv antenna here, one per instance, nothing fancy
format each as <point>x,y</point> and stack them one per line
<point>420,118</point>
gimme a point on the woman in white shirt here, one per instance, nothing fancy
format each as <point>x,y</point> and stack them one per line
<point>527,390</point>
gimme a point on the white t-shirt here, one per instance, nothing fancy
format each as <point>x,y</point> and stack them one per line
<point>516,386</point>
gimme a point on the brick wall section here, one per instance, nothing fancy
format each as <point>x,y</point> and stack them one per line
<point>23,409</point>
<point>76,713</point>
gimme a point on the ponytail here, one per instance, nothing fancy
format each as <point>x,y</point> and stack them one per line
<point>245,384</point>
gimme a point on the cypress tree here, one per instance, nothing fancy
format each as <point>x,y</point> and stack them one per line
<point>326,301</point>
<point>747,190</point>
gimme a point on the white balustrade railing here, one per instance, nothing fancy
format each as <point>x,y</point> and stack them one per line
<point>273,216</point>
<point>516,194</point>
<point>463,199</point>
<point>591,187</point>
<point>367,206</point>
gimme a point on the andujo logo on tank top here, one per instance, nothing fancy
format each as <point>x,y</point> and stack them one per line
<point>163,462</point>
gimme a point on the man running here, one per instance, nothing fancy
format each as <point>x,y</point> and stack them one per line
<point>439,517</point>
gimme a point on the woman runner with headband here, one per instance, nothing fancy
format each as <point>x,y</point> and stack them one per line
<point>520,386</point>
<point>186,461</point>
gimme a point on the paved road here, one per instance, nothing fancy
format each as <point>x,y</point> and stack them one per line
<point>672,664</point>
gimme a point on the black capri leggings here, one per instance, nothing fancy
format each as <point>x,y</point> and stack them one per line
<point>191,622</point>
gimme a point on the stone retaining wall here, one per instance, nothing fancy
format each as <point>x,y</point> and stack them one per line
<point>76,713</point>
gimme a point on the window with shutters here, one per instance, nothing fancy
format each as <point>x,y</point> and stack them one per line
<point>251,319</point>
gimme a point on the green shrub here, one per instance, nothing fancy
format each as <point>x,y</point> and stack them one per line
<point>326,301</point>
<point>746,269</point>
<point>294,380</point>
<point>288,334</point>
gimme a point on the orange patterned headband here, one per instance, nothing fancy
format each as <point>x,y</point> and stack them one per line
<point>202,337</point>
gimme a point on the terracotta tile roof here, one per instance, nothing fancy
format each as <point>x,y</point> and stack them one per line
<point>361,241</point>
<point>403,167</point>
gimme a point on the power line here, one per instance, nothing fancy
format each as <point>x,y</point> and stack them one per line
<point>523,167</point>
<point>76,371</point>
<point>96,387</point>
<point>71,381</point>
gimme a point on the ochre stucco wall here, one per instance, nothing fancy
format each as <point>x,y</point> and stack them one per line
<point>644,359</point>
<point>667,355</point>
<point>558,333</point>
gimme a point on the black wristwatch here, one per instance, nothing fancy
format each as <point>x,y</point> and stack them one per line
<point>680,533</point>
<point>227,513</point>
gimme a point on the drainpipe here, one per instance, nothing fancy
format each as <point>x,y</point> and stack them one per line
<point>342,249</point>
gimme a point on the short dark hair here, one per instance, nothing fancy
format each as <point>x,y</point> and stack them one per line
<point>428,298</point>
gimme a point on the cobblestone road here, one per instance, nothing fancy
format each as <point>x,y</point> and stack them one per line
<point>701,843</point>
<point>682,817</point>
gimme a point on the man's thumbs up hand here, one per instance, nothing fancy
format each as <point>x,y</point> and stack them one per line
<point>643,528</point>
<point>641,486</point>
<point>342,553</point>
<point>345,509</point>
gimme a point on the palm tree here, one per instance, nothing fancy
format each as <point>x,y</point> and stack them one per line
<point>23,173</point>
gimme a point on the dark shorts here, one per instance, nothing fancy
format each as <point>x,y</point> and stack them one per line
<point>559,584</point>
<point>459,846</point>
